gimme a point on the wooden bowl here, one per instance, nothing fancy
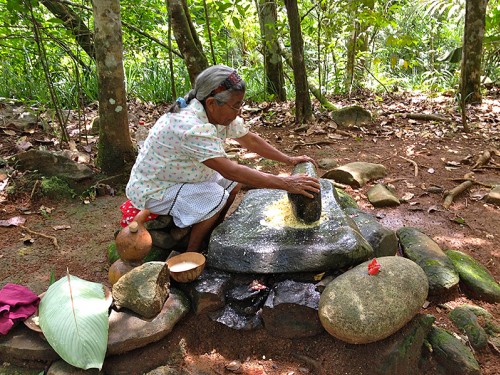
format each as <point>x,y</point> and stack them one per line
<point>186,267</point>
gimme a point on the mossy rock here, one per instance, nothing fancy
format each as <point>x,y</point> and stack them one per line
<point>490,325</point>
<point>451,354</point>
<point>345,200</point>
<point>439,269</point>
<point>475,278</point>
<point>466,321</point>
<point>403,355</point>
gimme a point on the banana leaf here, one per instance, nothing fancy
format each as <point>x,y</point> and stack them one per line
<point>73,316</point>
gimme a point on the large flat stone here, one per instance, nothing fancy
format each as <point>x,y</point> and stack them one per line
<point>246,243</point>
<point>128,331</point>
<point>24,344</point>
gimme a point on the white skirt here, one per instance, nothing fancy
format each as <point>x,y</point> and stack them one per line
<point>191,203</point>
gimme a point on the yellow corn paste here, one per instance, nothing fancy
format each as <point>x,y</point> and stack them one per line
<point>279,214</point>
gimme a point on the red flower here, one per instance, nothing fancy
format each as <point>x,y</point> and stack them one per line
<point>373,267</point>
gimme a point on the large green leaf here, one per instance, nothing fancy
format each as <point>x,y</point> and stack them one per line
<point>73,316</point>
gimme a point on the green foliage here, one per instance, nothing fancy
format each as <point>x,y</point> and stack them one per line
<point>54,187</point>
<point>398,44</point>
<point>74,319</point>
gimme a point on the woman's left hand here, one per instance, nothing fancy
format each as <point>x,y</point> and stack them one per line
<point>294,160</point>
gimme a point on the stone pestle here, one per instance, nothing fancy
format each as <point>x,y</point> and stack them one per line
<point>306,209</point>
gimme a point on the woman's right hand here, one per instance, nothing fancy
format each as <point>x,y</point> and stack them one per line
<point>302,184</point>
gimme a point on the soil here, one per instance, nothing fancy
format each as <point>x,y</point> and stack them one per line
<point>442,152</point>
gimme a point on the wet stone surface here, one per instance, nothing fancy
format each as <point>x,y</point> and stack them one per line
<point>245,243</point>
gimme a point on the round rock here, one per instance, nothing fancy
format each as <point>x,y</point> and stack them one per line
<point>359,308</point>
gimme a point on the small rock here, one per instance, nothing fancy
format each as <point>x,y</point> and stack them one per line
<point>234,366</point>
<point>380,196</point>
<point>493,196</point>
<point>143,289</point>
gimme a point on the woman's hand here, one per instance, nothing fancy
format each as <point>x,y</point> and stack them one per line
<point>294,160</point>
<point>302,184</point>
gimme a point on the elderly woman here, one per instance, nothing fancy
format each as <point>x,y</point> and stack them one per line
<point>182,169</point>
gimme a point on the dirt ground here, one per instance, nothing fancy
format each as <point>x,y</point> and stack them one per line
<point>417,153</point>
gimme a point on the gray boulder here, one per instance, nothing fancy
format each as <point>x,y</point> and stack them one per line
<point>247,243</point>
<point>360,308</point>
<point>382,239</point>
<point>50,164</point>
<point>291,310</point>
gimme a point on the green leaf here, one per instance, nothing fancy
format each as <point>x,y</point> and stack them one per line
<point>73,316</point>
<point>236,23</point>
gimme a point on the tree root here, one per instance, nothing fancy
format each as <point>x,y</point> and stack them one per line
<point>457,190</point>
<point>482,160</point>
<point>415,165</point>
<point>54,239</point>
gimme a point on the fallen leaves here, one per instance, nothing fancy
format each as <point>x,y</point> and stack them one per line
<point>13,221</point>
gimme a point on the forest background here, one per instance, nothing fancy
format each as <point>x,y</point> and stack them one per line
<point>61,59</point>
<point>53,52</point>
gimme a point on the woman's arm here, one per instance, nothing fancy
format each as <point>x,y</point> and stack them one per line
<point>297,184</point>
<point>255,143</point>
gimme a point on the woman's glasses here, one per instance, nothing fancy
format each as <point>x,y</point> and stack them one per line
<point>236,109</point>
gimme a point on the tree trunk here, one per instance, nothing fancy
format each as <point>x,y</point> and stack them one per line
<point>275,80</point>
<point>475,20</point>
<point>351,58</point>
<point>74,24</point>
<point>303,107</point>
<point>187,39</point>
<point>115,149</point>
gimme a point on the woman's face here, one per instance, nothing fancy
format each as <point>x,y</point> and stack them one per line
<point>225,113</point>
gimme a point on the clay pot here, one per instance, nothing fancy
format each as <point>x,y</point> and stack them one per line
<point>117,270</point>
<point>134,242</point>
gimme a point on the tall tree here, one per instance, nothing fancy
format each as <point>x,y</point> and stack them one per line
<point>115,149</point>
<point>303,106</point>
<point>472,53</point>
<point>358,42</point>
<point>73,23</point>
<point>273,64</point>
<point>187,38</point>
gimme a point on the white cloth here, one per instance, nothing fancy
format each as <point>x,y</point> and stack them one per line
<point>189,204</point>
<point>174,152</point>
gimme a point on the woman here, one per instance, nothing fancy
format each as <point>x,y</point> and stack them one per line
<point>182,169</point>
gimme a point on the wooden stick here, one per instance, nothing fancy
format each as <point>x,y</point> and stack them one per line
<point>426,117</point>
<point>54,239</point>
<point>482,160</point>
<point>476,182</point>
<point>312,144</point>
<point>448,200</point>
<point>415,165</point>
